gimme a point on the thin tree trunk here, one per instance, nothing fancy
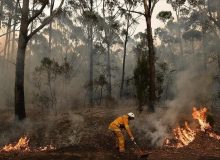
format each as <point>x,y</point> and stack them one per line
<point>50,27</point>
<point>124,60</point>
<point>14,28</point>
<point>181,41</point>
<point>204,50</point>
<point>90,47</point>
<point>109,85</point>
<point>1,11</point>
<point>7,41</point>
<point>6,48</point>
<point>20,63</point>
<point>100,102</point>
<point>180,36</point>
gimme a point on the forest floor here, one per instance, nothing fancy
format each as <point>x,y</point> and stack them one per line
<point>98,144</point>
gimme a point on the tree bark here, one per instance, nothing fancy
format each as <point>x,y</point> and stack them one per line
<point>1,11</point>
<point>90,49</point>
<point>180,36</point>
<point>109,85</point>
<point>7,40</point>
<point>14,27</point>
<point>152,85</point>
<point>22,45</point>
<point>124,60</point>
<point>151,58</point>
<point>6,50</point>
<point>50,27</point>
<point>20,63</point>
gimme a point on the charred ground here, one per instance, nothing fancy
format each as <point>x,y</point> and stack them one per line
<point>97,143</point>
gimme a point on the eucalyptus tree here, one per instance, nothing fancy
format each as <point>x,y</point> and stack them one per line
<point>178,7</point>
<point>52,3</point>
<point>2,3</point>
<point>149,6</point>
<point>205,18</point>
<point>24,38</point>
<point>89,19</point>
<point>191,36</point>
<point>111,27</point>
<point>141,74</point>
<point>130,21</point>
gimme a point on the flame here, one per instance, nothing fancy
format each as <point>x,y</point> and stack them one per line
<point>46,148</point>
<point>200,115</point>
<point>185,135</point>
<point>23,146</point>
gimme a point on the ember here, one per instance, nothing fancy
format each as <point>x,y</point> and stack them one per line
<point>23,146</point>
<point>185,135</point>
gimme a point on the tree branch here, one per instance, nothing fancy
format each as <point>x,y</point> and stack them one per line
<point>7,33</point>
<point>37,13</point>
<point>46,21</point>
<point>141,13</point>
<point>153,6</point>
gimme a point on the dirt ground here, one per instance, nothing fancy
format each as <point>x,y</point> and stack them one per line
<point>98,144</point>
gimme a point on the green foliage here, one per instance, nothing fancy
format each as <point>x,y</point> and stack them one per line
<point>141,81</point>
<point>165,36</point>
<point>44,78</point>
<point>176,3</point>
<point>101,81</point>
<point>162,69</point>
<point>164,15</point>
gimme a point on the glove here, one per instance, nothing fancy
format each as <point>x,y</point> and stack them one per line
<point>132,139</point>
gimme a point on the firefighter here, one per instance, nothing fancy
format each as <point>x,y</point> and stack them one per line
<point>116,127</point>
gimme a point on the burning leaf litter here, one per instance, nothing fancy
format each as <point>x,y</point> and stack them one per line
<point>186,134</point>
<point>23,146</point>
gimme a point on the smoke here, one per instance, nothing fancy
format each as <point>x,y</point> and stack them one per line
<point>193,87</point>
<point>60,130</point>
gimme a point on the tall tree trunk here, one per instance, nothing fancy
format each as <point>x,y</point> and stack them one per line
<point>7,40</point>
<point>20,63</point>
<point>1,12</point>
<point>109,85</point>
<point>180,36</point>
<point>124,60</point>
<point>90,49</point>
<point>151,58</point>
<point>204,49</point>
<point>152,85</point>
<point>14,28</point>
<point>7,48</point>
<point>50,27</point>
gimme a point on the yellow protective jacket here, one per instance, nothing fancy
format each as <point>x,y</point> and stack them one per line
<point>120,123</point>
